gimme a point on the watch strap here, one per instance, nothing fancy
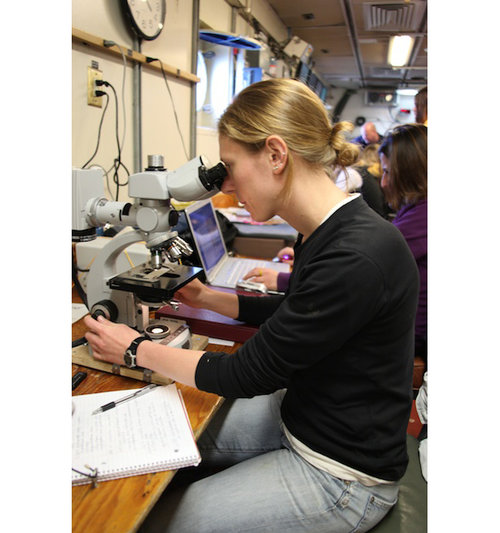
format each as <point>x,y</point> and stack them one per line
<point>131,352</point>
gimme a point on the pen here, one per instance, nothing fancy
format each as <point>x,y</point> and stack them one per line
<point>136,394</point>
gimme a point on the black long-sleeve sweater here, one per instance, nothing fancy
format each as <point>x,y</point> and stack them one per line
<point>340,341</point>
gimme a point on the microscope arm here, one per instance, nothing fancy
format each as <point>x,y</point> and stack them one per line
<point>104,268</point>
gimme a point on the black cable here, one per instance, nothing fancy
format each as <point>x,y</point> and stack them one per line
<point>150,60</point>
<point>100,126</point>
<point>341,104</point>
<point>117,162</point>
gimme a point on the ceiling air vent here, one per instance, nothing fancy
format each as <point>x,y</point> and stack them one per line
<point>397,16</point>
<point>381,72</point>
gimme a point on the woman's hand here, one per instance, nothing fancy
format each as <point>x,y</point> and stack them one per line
<point>109,342</point>
<point>107,339</point>
<point>286,255</point>
<point>193,294</point>
<point>268,276</point>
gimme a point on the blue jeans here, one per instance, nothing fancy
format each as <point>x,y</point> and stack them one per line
<point>267,487</point>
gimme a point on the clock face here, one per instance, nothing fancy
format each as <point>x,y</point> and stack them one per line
<point>148,17</point>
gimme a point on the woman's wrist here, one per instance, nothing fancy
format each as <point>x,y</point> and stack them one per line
<point>143,354</point>
<point>208,298</point>
<point>175,363</point>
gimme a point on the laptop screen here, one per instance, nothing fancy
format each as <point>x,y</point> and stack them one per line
<point>206,234</point>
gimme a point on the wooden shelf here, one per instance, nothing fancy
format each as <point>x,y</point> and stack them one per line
<point>96,42</point>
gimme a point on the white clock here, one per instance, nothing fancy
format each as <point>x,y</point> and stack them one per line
<point>147,17</point>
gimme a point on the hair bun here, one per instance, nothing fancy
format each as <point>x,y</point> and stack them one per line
<point>347,153</point>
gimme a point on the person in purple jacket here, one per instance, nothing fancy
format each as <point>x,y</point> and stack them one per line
<point>403,155</point>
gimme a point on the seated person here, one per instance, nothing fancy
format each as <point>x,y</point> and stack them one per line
<point>369,135</point>
<point>313,433</point>
<point>403,154</point>
<point>368,166</point>
<point>421,106</point>
<point>356,178</point>
<point>369,157</point>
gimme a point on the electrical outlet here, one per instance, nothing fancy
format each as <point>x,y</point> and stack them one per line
<point>93,74</point>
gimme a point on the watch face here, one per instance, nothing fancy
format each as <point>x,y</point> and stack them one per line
<point>148,17</point>
<point>129,359</point>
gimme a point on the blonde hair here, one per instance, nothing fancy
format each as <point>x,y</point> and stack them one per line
<point>370,158</point>
<point>291,110</point>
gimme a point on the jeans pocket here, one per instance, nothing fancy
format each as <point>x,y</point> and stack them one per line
<point>377,506</point>
<point>383,504</point>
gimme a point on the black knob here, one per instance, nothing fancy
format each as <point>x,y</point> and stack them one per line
<point>173,217</point>
<point>105,308</point>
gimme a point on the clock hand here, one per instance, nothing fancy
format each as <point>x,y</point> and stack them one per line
<point>149,5</point>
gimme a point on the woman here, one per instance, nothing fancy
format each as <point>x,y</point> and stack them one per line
<point>370,189</point>
<point>369,172</point>
<point>421,106</point>
<point>369,158</point>
<point>316,433</point>
<point>403,155</point>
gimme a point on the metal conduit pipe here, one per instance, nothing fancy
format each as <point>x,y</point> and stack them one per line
<point>194,70</point>
<point>346,9</point>
<point>136,109</point>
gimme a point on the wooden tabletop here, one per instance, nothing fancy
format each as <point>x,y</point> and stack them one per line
<point>121,505</point>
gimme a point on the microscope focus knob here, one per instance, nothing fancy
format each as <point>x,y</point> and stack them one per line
<point>105,308</point>
<point>173,217</point>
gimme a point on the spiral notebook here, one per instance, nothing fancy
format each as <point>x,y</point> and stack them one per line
<point>150,433</point>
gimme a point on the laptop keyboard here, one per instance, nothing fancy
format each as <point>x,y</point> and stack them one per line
<point>232,271</point>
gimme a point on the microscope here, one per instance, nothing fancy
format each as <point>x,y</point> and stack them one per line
<point>127,297</point>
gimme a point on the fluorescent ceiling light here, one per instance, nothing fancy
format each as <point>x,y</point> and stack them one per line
<point>399,50</point>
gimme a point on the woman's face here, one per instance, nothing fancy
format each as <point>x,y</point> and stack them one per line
<point>386,169</point>
<point>251,178</point>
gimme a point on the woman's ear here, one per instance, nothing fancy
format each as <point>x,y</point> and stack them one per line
<point>278,152</point>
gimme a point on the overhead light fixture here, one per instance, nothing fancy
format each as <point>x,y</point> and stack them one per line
<point>407,92</point>
<point>399,50</point>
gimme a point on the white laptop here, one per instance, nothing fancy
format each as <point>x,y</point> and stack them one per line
<point>220,269</point>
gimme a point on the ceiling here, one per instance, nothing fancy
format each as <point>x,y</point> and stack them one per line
<point>351,38</point>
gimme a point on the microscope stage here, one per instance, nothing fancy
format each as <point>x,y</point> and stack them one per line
<point>155,284</point>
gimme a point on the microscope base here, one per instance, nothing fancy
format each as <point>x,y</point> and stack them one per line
<point>81,356</point>
<point>170,332</point>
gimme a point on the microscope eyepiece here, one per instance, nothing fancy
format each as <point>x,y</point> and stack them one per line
<point>155,162</point>
<point>213,177</point>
